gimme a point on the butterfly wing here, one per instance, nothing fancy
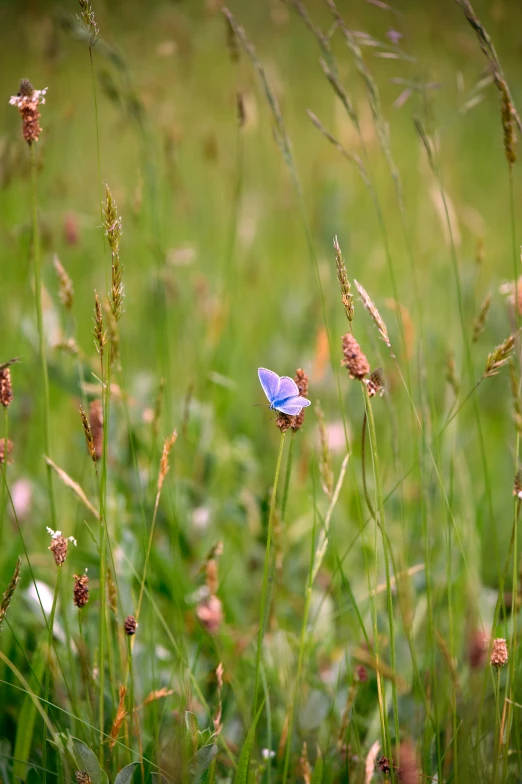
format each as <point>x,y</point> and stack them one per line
<point>293,405</point>
<point>270,382</point>
<point>287,388</point>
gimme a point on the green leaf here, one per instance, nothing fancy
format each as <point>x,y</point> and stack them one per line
<point>243,765</point>
<point>125,775</point>
<point>26,720</point>
<point>203,760</point>
<point>317,776</point>
<point>88,761</point>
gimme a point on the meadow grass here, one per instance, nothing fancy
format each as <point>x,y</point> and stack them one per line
<point>225,594</point>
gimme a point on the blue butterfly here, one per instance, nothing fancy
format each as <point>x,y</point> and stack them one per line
<point>282,392</point>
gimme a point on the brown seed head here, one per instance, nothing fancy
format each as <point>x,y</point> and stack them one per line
<point>130,623</point>
<point>354,359</point>
<point>58,547</point>
<point>96,426</point>
<point>82,777</point>
<point>301,379</point>
<point>375,383</point>
<point>81,590</point>
<point>164,465</point>
<point>6,387</point>
<point>344,283</point>
<point>8,594</point>
<point>508,123</point>
<point>100,336</point>
<point>499,652</point>
<point>284,422</point>
<point>210,613</point>
<point>384,765</point>
<point>3,450</point>
<point>499,357</point>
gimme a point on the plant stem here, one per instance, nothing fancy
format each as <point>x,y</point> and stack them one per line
<point>4,471</point>
<point>266,569</point>
<point>48,670</point>
<point>41,338</point>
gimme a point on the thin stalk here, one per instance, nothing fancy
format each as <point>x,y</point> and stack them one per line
<point>48,669</point>
<point>41,337</point>
<point>4,471</point>
<point>498,727</point>
<point>106,386</point>
<point>386,552</point>
<point>266,569</point>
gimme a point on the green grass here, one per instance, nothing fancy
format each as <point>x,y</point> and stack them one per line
<point>352,585</point>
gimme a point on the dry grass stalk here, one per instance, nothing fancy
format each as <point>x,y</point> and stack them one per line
<point>232,42</point>
<point>374,313</point>
<point>27,101</point>
<point>74,486</point>
<point>121,713</point>
<point>9,592</point>
<point>351,157</point>
<point>164,465</point>
<point>499,357</point>
<point>81,590</point>
<point>344,283</point>
<point>480,321</point>
<point>304,765</point>
<point>509,115</point>
<point>5,453</point>
<point>158,694</point>
<point>89,22</point>
<point>66,290</point>
<point>325,463</point>
<point>100,336</point>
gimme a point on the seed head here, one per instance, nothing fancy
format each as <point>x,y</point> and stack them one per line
<point>375,383</point>
<point>8,595</point>
<point>59,545</point>
<point>374,313</point>
<point>354,359</point>
<point>96,426</point>
<point>89,22</point>
<point>100,336</point>
<point>210,613</point>
<point>301,379</point>
<point>508,123</point>
<point>384,765</point>
<point>82,777</point>
<point>498,358</point>
<point>5,454</point>
<point>27,101</point>
<point>66,291</point>
<point>499,652</point>
<point>344,283</point>
<point>164,465</point>
<point>6,387</point>
<point>130,623</point>
<point>81,590</point>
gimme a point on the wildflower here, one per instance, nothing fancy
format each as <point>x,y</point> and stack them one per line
<point>59,545</point>
<point>354,359</point>
<point>27,100</point>
<point>499,653</point>
<point>131,624</point>
<point>81,590</point>
<point>5,453</point>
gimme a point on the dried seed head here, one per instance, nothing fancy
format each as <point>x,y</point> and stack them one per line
<point>210,613</point>
<point>498,358</point>
<point>88,434</point>
<point>344,283</point>
<point>66,291</point>
<point>374,313</point>
<point>82,777</point>
<point>8,595</point>
<point>100,336</point>
<point>130,623</point>
<point>499,652</point>
<point>6,387</point>
<point>508,123</point>
<point>27,102</point>
<point>384,765</point>
<point>89,22</point>
<point>375,383</point>
<point>81,590</point>
<point>96,426</point>
<point>354,359</point>
<point>5,454</point>
<point>480,321</point>
<point>284,422</point>
<point>164,465</point>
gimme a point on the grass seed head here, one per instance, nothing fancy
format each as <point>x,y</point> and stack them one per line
<point>66,290</point>
<point>344,283</point>
<point>8,594</point>
<point>96,426</point>
<point>480,321</point>
<point>100,335</point>
<point>354,359</point>
<point>164,465</point>
<point>499,357</point>
<point>374,313</point>
<point>88,20</point>
<point>301,379</point>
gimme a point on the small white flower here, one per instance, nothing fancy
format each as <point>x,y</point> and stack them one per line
<point>53,534</point>
<point>73,540</point>
<point>267,754</point>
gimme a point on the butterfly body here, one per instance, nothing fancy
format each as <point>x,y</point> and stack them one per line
<point>282,392</point>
